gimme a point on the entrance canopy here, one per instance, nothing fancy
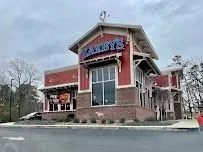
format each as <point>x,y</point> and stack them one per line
<point>146,63</point>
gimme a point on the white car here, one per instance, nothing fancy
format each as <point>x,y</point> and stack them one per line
<point>33,115</point>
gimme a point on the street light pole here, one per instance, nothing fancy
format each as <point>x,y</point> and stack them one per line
<point>11,97</point>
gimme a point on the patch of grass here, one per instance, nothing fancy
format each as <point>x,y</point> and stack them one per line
<point>93,120</point>
<point>103,121</point>
<point>76,120</point>
<point>84,121</point>
<point>149,123</point>
<point>122,120</point>
<point>36,122</point>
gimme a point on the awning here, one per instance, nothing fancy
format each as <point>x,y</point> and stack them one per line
<point>144,57</point>
<point>60,86</point>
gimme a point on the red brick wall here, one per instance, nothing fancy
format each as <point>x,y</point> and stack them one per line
<point>68,76</point>
<point>130,111</point>
<point>126,96</point>
<point>124,76</point>
<point>143,113</point>
<point>162,80</point>
<point>56,115</point>
<point>84,81</point>
<point>126,106</point>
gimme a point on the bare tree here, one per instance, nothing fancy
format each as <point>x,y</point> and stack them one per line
<point>25,75</point>
<point>192,80</point>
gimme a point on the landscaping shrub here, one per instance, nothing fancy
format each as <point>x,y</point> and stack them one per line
<point>4,118</point>
<point>110,121</point>
<point>122,120</point>
<point>136,120</point>
<point>60,120</point>
<point>68,119</point>
<point>93,120</point>
<point>103,121</point>
<point>54,119</point>
<point>150,119</point>
<point>84,121</point>
<point>76,120</point>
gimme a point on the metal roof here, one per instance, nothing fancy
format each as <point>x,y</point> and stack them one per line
<point>61,69</point>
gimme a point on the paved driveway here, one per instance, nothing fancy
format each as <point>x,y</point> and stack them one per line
<point>86,140</point>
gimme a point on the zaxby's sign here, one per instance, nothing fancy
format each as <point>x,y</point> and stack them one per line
<point>116,45</point>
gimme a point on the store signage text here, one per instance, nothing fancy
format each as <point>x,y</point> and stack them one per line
<point>116,45</point>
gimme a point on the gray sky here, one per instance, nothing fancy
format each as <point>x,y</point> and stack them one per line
<point>41,30</point>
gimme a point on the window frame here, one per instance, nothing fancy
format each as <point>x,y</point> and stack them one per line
<point>73,94</point>
<point>146,85</point>
<point>103,81</point>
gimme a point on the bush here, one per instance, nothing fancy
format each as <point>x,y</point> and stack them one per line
<point>4,118</point>
<point>60,120</point>
<point>136,120</point>
<point>54,119</point>
<point>68,119</point>
<point>103,121</point>
<point>150,119</point>
<point>110,121</point>
<point>84,121</point>
<point>93,120</point>
<point>122,120</point>
<point>76,120</point>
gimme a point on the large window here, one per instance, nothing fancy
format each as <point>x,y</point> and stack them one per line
<point>147,91</point>
<point>143,85</point>
<point>139,81</point>
<point>103,86</point>
<point>56,103</point>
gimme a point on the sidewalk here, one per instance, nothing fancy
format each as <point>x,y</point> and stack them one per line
<point>183,125</point>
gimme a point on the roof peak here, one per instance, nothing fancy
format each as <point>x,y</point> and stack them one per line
<point>135,28</point>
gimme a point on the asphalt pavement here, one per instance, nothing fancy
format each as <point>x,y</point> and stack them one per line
<point>90,140</point>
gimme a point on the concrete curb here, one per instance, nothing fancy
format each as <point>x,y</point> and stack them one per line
<point>111,127</point>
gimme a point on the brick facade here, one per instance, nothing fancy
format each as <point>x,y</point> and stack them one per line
<point>126,106</point>
<point>56,115</point>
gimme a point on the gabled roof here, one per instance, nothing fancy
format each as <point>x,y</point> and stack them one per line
<point>74,47</point>
<point>66,68</point>
<point>172,68</point>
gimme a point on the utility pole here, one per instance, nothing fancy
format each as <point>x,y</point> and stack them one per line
<point>11,97</point>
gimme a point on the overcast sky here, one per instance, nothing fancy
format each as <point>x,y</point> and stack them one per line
<point>40,31</point>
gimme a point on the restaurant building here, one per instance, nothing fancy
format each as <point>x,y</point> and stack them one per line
<point>114,77</point>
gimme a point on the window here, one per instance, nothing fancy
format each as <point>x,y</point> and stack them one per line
<point>56,105</point>
<point>147,91</point>
<point>103,86</point>
<point>139,75</point>
<point>53,107</point>
<point>143,85</point>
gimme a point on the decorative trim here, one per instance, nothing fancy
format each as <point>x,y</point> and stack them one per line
<point>131,59</point>
<point>125,86</point>
<point>59,86</point>
<point>84,91</point>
